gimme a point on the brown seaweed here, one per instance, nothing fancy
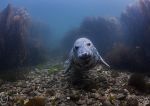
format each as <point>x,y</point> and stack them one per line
<point>21,41</point>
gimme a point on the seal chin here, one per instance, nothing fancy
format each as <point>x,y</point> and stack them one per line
<point>86,60</point>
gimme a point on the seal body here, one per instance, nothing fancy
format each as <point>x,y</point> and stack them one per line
<point>83,56</point>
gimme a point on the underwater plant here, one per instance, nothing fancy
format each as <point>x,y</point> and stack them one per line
<point>122,56</point>
<point>13,33</point>
<point>20,43</point>
<point>135,23</point>
<point>102,31</point>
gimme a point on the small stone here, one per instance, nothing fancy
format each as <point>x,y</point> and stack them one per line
<point>19,84</point>
<point>126,91</point>
<point>95,95</point>
<point>93,90</point>
<point>121,96</point>
<point>74,97</point>
<point>26,90</point>
<point>102,98</point>
<point>81,102</point>
<point>132,102</point>
<point>107,103</point>
<point>50,92</point>
<point>68,98</point>
<point>90,101</point>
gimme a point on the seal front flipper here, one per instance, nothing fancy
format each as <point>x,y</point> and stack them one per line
<point>67,66</point>
<point>101,60</point>
<point>68,63</point>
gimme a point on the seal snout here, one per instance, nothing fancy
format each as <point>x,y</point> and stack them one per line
<point>84,56</point>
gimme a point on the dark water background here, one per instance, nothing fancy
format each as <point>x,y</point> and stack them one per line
<point>64,15</point>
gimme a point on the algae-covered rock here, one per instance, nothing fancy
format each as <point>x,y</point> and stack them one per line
<point>36,101</point>
<point>132,102</point>
<point>55,68</point>
<point>138,81</point>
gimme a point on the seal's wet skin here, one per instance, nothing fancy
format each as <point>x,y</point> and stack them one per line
<point>83,57</point>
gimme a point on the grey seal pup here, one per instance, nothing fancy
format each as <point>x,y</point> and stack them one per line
<point>83,56</point>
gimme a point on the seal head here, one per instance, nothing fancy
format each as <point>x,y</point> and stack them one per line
<point>83,51</point>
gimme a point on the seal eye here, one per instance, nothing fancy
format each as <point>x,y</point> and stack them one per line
<point>88,44</point>
<point>76,47</point>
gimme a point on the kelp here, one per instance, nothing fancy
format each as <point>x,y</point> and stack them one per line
<point>22,41</point>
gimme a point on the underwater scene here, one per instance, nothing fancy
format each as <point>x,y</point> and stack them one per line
<point>74,52</point>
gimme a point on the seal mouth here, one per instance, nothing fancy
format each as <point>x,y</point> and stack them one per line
<point>85,57</point>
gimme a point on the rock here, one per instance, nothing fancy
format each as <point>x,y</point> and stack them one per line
<point>27,90</point>
<point>107,103</point>
<point>138,81</point>
<point>114,74</point>
<point>126,92</point>
<point>102,99</point>
<point>36,101</point>
<point>81,102</point>
<point>89,101</point>
<point>148,104</point>
<point>75,96</point>
<point>93,90</point>
<point>68,98</point>
<point>121,96</point>
<point>50,92</point>
<point>132,102</point>
<point>4,98</point>
<point>95,95</point>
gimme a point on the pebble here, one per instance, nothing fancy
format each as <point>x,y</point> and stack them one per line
<point>68,98</point>
<point>107,103</point>
<point>121,96</point>
<point>132,102</point>
<point>81,102</point>
<point>126,92</point>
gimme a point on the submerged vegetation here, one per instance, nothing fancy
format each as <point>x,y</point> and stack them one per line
<point>124,41</point>
<point>22,43</point>
<point>55,68</point>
